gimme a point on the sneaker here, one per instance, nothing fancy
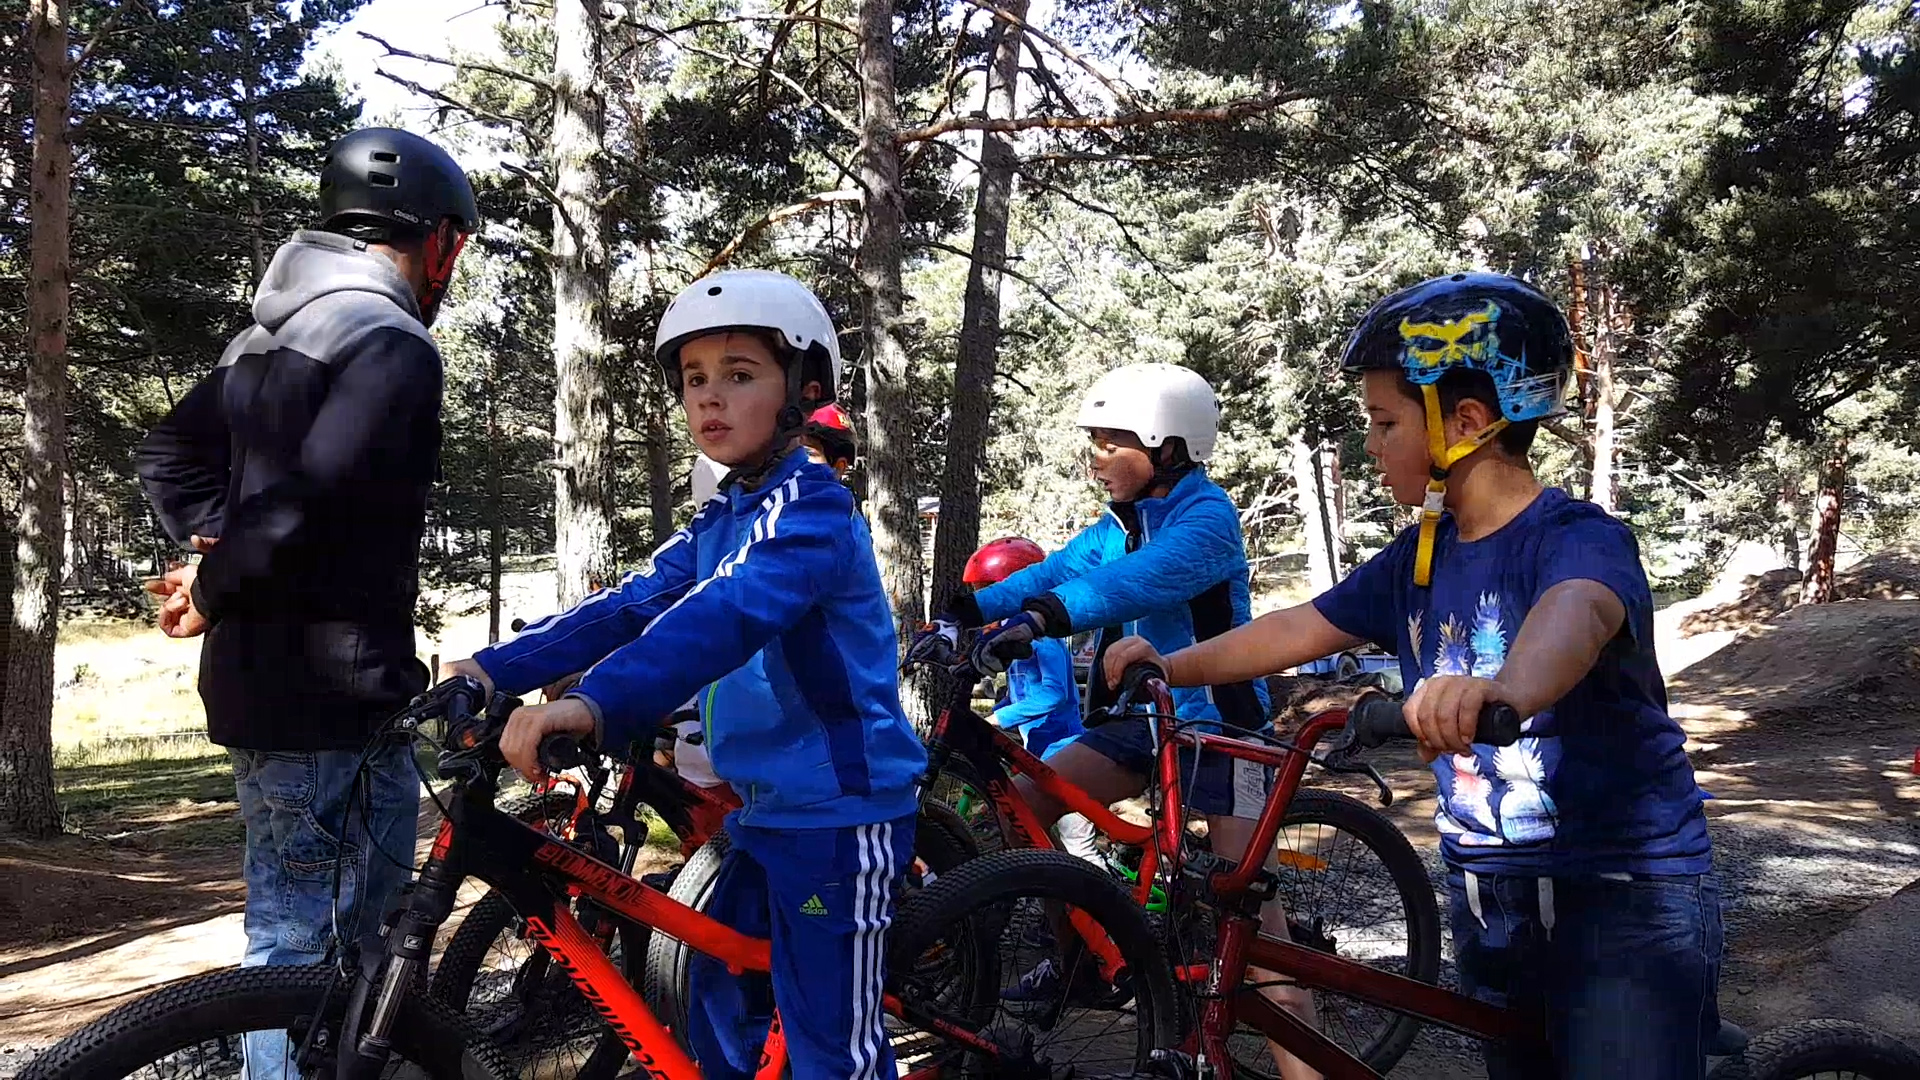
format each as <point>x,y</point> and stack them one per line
<point>1041,985</point>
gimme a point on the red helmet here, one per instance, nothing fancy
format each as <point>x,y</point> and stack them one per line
<point>999,558</point>
<point>832,427</point>
<point>831,416</point>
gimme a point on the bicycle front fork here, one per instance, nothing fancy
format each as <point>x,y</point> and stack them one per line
<point>387,976</point>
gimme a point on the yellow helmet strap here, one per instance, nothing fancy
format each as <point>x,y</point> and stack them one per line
<point>1444,458</point>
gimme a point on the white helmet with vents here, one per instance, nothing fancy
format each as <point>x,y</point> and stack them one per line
<point>753,300</point>
<point>1155,402</point>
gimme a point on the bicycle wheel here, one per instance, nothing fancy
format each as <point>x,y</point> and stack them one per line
<point>1822,1050</point>
<point>1351,885</point>
<point>939,846</point>
<point>957,787</point>
<point>193,1030</point>
<point>959,951</point>
<point>512,992</point>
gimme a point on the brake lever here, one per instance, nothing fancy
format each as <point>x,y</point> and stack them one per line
<point>1345,759</point>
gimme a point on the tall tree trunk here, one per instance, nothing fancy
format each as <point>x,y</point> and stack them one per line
<point>1322,566</point>
<point>659,469</point>
<point>958,531</point>
<point>250,118</point>
<point>27,802</point>
<point>1818,586</point>
<point>496,528</point>
<point>1326,479</point>
<point>893,494</point>
<point>582,409</point>
<point>1792,501</point>
<point>1603,298</point>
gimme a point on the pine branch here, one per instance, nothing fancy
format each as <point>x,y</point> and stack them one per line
<point>1022,279</point>
<point>749,65</point>
<point>93,43</point>
<point>458,65</point>
<point>1218,114</point>
<point>1121,95</point>
<point>804,206</point>
<point>788,17</point>
<point>453,102</point>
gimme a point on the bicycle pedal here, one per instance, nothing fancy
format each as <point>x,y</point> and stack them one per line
<point>1170,1065</point>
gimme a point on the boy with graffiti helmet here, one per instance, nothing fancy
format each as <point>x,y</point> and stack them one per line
<point>1578,867</point>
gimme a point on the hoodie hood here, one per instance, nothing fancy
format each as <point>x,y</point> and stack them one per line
<point>317,264</point>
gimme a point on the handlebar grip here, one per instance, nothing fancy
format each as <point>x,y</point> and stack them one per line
<point>462,696</point>
<point>1136,673</point>
<point>1378,719</point>
<point>561,752</point>
<point>517,625</point>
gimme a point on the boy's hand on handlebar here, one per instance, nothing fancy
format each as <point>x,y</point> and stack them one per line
<point>1443,712</point>
<point>470,668</point>
<point>520,743</point>
<point>1126,652</point>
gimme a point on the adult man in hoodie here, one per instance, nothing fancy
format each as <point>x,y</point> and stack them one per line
<point>300,469</point>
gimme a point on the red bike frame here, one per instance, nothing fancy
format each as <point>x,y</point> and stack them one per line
<point>1241,945</point>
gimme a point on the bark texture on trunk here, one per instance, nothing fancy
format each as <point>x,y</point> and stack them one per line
<point>659,468</point>
<point>973,370</point>
<point>496,528</point>
<point>893,498</point>
<point>893,493</point>
<point>1602,319</point>
<point>582,408</point>
<point>27,802</point>
<point>1323,567</point>
<point>1818,586</point>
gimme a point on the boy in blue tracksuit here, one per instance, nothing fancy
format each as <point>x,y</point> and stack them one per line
<point>770,599</point>
<point>1167,562</point>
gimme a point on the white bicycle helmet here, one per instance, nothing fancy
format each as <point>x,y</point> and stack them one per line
<point>1155,402</point>
<point>753,300</point>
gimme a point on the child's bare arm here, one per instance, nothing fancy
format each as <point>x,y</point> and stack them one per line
<point>1556,646</point>
<point>1273,642</point>
<point>1559,642</point>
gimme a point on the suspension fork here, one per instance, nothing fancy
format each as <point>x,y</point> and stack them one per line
<point>385,976</point>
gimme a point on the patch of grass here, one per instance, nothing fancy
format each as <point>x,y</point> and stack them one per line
<point>153,802</point>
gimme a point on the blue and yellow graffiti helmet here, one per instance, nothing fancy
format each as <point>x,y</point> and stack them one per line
<point>1482,322</point>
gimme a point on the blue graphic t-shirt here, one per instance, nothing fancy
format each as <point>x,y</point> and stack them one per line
<point>1612,790</point>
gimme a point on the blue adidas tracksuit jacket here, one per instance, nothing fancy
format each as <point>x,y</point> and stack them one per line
<point>771,601</point>
<point>1172,570</point>
<point>1043,701</point>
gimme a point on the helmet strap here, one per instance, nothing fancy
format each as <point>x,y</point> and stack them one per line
<point>439,269</point>
<point>1166,472</point>
<point>1444,458</point>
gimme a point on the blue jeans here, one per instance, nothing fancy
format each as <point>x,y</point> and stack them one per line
<point>825,897</point>
<point>301,828</point>
<point>1626,970</point>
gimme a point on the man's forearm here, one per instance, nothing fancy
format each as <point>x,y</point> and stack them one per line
<point>1558,643</point>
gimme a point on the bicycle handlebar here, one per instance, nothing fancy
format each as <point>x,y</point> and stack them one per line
<point>1377,719</point>
<point>561,752</point>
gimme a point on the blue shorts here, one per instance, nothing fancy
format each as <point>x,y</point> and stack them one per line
<point>1626,969</point>
<point>825,898</point>
<point>1223,786</point>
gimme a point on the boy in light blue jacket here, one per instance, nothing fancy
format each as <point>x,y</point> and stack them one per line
<point>770,599</point>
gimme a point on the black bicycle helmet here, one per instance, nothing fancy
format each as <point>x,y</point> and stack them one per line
<point>1481,322</point>
<point>394,176</point>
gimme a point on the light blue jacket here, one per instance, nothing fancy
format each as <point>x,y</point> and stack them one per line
<point>1043,701</point>
<point>1172,570</point>
<point>770,600</point>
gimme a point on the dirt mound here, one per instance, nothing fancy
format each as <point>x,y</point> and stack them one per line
<point>1853,659</point>
<point>1892,573</point>
<point>1762,597</point>
<point>1888,574</point>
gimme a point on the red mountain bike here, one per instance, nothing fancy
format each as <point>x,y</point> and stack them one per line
<point>367,1018</point>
